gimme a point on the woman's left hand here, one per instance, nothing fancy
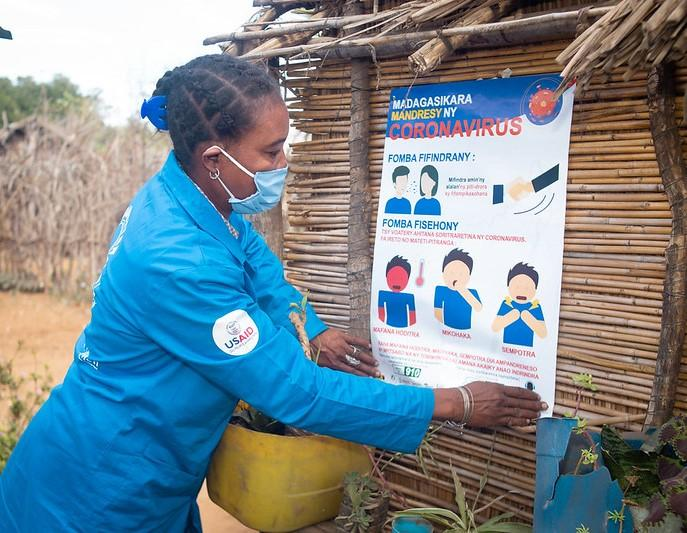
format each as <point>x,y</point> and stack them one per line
<point>344,352</point>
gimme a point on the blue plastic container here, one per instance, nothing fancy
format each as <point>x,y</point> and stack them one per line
<point>409,524</point>
<point>563,502</point>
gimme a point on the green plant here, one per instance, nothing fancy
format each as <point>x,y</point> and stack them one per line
<point>654,477</point>
<point>588,457</point>
<point>364,506</point>
<point>617,517</point>
<point>581,426</point>
<point>582,382</point>
<point>464,521</point>
<point>582,529</point>
<point>20,398</point>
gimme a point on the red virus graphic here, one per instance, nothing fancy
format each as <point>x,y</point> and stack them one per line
<point>542,103</point>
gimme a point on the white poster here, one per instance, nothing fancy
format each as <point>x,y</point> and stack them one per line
<point>468,254</point>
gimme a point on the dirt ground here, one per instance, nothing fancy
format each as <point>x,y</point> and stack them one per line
<point>38,329</point>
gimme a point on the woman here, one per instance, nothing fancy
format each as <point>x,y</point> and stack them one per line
<point>429,184</point>
<point>189,315</point>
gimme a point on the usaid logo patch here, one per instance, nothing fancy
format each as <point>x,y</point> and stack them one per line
<point>235,333</point>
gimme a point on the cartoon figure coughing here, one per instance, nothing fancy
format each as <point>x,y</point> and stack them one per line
<point>520,315</point>
<point>454,303</point>
<point>396,308</point>
<point>399,205</point>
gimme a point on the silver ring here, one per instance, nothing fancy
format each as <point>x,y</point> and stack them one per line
<point>352,360</point>
<point>355,350</point>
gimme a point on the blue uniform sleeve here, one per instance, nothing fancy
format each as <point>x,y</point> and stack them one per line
<point>274,293</point>
<point>476,294</point>
<point>504,309</point>
<point>203,317</point>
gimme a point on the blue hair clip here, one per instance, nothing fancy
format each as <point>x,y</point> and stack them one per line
<point>155,110</point>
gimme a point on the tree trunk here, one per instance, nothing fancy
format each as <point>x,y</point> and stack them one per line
<point>667,142</point>
<point>359,269</point>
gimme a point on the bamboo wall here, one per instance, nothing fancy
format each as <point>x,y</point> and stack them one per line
<point>618,224</point>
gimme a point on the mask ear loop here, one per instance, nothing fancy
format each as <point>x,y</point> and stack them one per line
<point>214,175</point>
<point>251,174</point>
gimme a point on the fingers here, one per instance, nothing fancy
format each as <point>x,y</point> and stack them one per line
<point>501,405</point>
<point>364,357</point>
<point>367,370</point>
<point>358,369</point>
<point>355,372</point>
<point>528,405</point>
<point>360,349</point>
<point>517,422</point>
<point>520,392</point>
<point>357,341</point>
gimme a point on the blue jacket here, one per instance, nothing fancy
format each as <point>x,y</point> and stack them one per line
<point>186,320</point>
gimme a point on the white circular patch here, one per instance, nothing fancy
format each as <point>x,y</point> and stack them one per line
<point>235,333</point>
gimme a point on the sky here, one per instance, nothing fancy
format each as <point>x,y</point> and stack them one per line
<point>118,49</point>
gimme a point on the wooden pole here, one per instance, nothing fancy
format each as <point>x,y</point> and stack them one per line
<point>359,268</point>
<point>428,58</point>
<point>535,28</point>
<point>661,99</point>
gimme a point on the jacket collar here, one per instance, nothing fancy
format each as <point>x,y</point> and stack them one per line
<point>199,207</point>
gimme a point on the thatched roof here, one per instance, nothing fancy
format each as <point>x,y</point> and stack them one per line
<point>633,35</point>
<point>629,32</point>
<point>425,30</point>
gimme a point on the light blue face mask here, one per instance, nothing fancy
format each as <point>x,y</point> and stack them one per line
<point>269,185</point>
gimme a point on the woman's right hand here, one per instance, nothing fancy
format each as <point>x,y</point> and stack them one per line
<point>493,405</point>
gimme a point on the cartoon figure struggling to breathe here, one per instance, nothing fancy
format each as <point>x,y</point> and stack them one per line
<point>396,308</point>
<point>399,205</point>
<point>454,302</point>
<point>520,315</point>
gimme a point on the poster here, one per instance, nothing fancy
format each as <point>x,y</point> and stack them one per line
<point>469,245</point>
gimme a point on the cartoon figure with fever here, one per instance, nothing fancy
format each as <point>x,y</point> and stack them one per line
<point>520,315</point>
<point>397,308</point>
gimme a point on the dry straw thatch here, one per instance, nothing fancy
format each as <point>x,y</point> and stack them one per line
<point>63,186</point>
<point>633,35</point>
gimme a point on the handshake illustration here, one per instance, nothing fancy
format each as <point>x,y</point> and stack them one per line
<point>520,188</point>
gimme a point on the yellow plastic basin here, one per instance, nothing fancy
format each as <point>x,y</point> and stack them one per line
<point>281,483</point>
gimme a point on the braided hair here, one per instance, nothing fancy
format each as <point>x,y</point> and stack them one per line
<point>212,97</point>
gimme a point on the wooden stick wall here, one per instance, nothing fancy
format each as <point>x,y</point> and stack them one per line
<point>618,223</point>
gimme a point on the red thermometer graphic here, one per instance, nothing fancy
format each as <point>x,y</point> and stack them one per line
<point>419,281</point>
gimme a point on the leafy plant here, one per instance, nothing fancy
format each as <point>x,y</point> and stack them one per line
<point>617,517</point>
<point>20,398</point>
<point>464,521</point>
<point>582,382</point>
<point>581,426</point>
<point>587,457</point>
<point>365,504</point>
<point>654,477</point>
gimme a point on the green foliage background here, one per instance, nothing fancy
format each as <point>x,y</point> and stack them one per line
<point>26,96</point>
